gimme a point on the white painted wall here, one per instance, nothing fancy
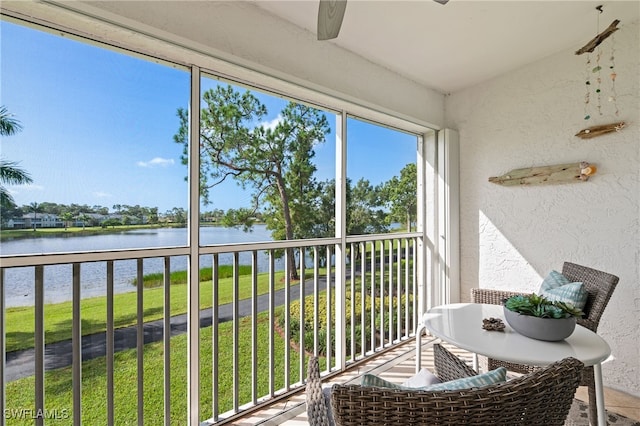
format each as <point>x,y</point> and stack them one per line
<point>511,237</point>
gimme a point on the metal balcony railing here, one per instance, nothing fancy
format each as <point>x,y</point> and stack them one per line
<point>121,357</point>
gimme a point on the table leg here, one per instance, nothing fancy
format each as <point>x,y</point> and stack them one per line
<point>602,415</point>
<point>419,331</point>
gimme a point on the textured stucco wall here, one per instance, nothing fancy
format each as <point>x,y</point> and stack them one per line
<point>511,237</point>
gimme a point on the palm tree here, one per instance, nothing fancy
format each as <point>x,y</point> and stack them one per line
<point>35,207</point>
<point>84,218</point>
<point>66,218</point>
<point>8,125</point>
<point>10,173</point>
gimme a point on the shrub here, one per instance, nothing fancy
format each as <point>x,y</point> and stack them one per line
<point>381,329</point>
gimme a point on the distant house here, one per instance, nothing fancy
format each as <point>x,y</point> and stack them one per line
<point>16,223</point>
<point>48,220</point>
<point>41,220</point>
<point>93,219</point>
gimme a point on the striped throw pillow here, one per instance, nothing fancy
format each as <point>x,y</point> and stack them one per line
<point>557,287</point>
<point>499,375</point>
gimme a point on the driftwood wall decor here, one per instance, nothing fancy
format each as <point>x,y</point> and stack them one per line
<point>595,42</point>
<point>593,131</point>
<point>561,173</point>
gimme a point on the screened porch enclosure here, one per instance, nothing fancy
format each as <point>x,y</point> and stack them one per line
<point>340,279</point>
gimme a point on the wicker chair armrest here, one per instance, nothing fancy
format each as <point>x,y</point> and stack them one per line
<point>317,410</point>
<point>491,296</point>
<point>449,366</point>
<point>543,397</point>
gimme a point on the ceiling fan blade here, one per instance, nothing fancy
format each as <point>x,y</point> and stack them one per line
<point>441,1</point>
<point>330,14</point>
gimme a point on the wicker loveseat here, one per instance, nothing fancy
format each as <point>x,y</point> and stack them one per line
<point>540,398</point>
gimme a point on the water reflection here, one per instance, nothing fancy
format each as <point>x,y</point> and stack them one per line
<point>19,282</point>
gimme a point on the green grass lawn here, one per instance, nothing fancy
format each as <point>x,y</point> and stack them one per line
<point>58,383</point>
<point>20,320</point>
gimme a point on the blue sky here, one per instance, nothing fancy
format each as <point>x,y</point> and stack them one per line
<point>98,127</point>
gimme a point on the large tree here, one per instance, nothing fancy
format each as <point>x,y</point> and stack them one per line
<point>10,173</point>
<point>400,193</point>
<point>325,225</point>
<point>365,213</point>
<point>364,208</point>
<point>274,161</point>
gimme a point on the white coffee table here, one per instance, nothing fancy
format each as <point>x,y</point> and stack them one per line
<point>461,325</point>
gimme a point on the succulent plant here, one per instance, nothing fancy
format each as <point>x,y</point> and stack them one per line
<point>538,306</point>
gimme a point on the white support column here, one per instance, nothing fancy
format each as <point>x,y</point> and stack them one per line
<point>110,346</point>
<point>427,213</point>
<point>76,345</point>
<point>448,217</point>
<point>193,269</point>
<point>140,339</point>
<point>39,343</point>
<point>426,216</point>
<point>453,201</point>
<point>341,231</point>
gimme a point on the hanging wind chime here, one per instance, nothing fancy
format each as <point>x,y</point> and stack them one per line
<point>594,76</point>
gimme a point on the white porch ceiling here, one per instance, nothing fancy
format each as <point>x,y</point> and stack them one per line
<point>464,42</point>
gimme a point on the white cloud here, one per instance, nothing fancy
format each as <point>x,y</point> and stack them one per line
<point>156,162</point>
<point>273,123</point>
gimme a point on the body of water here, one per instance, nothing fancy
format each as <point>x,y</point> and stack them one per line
<point>19,282</point>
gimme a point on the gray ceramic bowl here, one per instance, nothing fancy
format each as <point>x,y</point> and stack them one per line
<point>549,329</point>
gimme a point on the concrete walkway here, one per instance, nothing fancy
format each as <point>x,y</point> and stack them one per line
<point>21,364</point>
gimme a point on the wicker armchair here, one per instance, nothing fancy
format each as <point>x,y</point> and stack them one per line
<point>540,398</point>
<point>448,367</point>
<point>600,286</point>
